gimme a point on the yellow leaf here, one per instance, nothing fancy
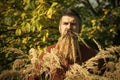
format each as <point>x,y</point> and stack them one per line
<point>23,29</point>
<point>15,13</point>
<point>27,27</point>
<point>49,13</point>
<point>33,28</point>
<point>93,21</point>
<point>111,30</point>
<point>40,1</point>
<point>105,11</point>
<point>39,28</point>
<point>24,41</point>
<point>18,32</point>
<point>51,10</point>
<point>40,50</point>
<point>23,15</point>
<point>47,33</point>
<point>44,39</point>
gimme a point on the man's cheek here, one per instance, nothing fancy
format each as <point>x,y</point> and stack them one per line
<point>60,29</point>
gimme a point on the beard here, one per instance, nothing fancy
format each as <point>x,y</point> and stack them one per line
<point>68,47</point>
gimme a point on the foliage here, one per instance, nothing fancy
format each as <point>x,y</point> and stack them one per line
<point>37,21</point>
<point>103,28</point>
<point>8,56</point>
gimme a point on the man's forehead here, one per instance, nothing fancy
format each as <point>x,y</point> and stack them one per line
<point>68,18</point>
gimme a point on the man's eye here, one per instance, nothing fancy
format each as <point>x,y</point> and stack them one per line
<point>73,24</point>
<point>65,23</point>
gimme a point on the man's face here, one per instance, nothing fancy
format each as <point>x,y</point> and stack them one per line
<point>69,23</point>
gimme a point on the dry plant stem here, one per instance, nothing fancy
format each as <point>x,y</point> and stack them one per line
<point>69,47</point>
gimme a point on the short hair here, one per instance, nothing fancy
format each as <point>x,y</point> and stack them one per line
<point>72,12</point>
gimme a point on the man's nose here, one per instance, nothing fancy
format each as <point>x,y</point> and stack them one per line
<point>69,26</point>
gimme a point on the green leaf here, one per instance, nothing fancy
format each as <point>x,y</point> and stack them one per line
<point>32,28</point>
<point>8,20</point>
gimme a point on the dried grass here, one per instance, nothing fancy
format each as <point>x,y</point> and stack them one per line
<point>51,60</point>
<point>104,66</point>
<point>11,75</point>
<point>76,72</point>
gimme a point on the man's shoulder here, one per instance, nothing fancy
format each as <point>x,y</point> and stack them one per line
<point>86,47</point>
<point>87,52</point>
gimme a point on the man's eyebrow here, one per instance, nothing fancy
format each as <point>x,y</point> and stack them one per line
<point>65,22</point>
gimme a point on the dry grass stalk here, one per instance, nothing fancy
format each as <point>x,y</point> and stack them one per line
<point>51,60</point>
<point>105,64</point>
<point>76,72</point>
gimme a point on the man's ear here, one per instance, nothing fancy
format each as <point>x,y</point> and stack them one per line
<point>59,29</point>
<point>60,26</point>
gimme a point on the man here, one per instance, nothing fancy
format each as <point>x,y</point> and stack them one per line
<point>69,50</point>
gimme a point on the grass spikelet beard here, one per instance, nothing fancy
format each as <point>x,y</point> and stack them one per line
<point>68,48</point>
